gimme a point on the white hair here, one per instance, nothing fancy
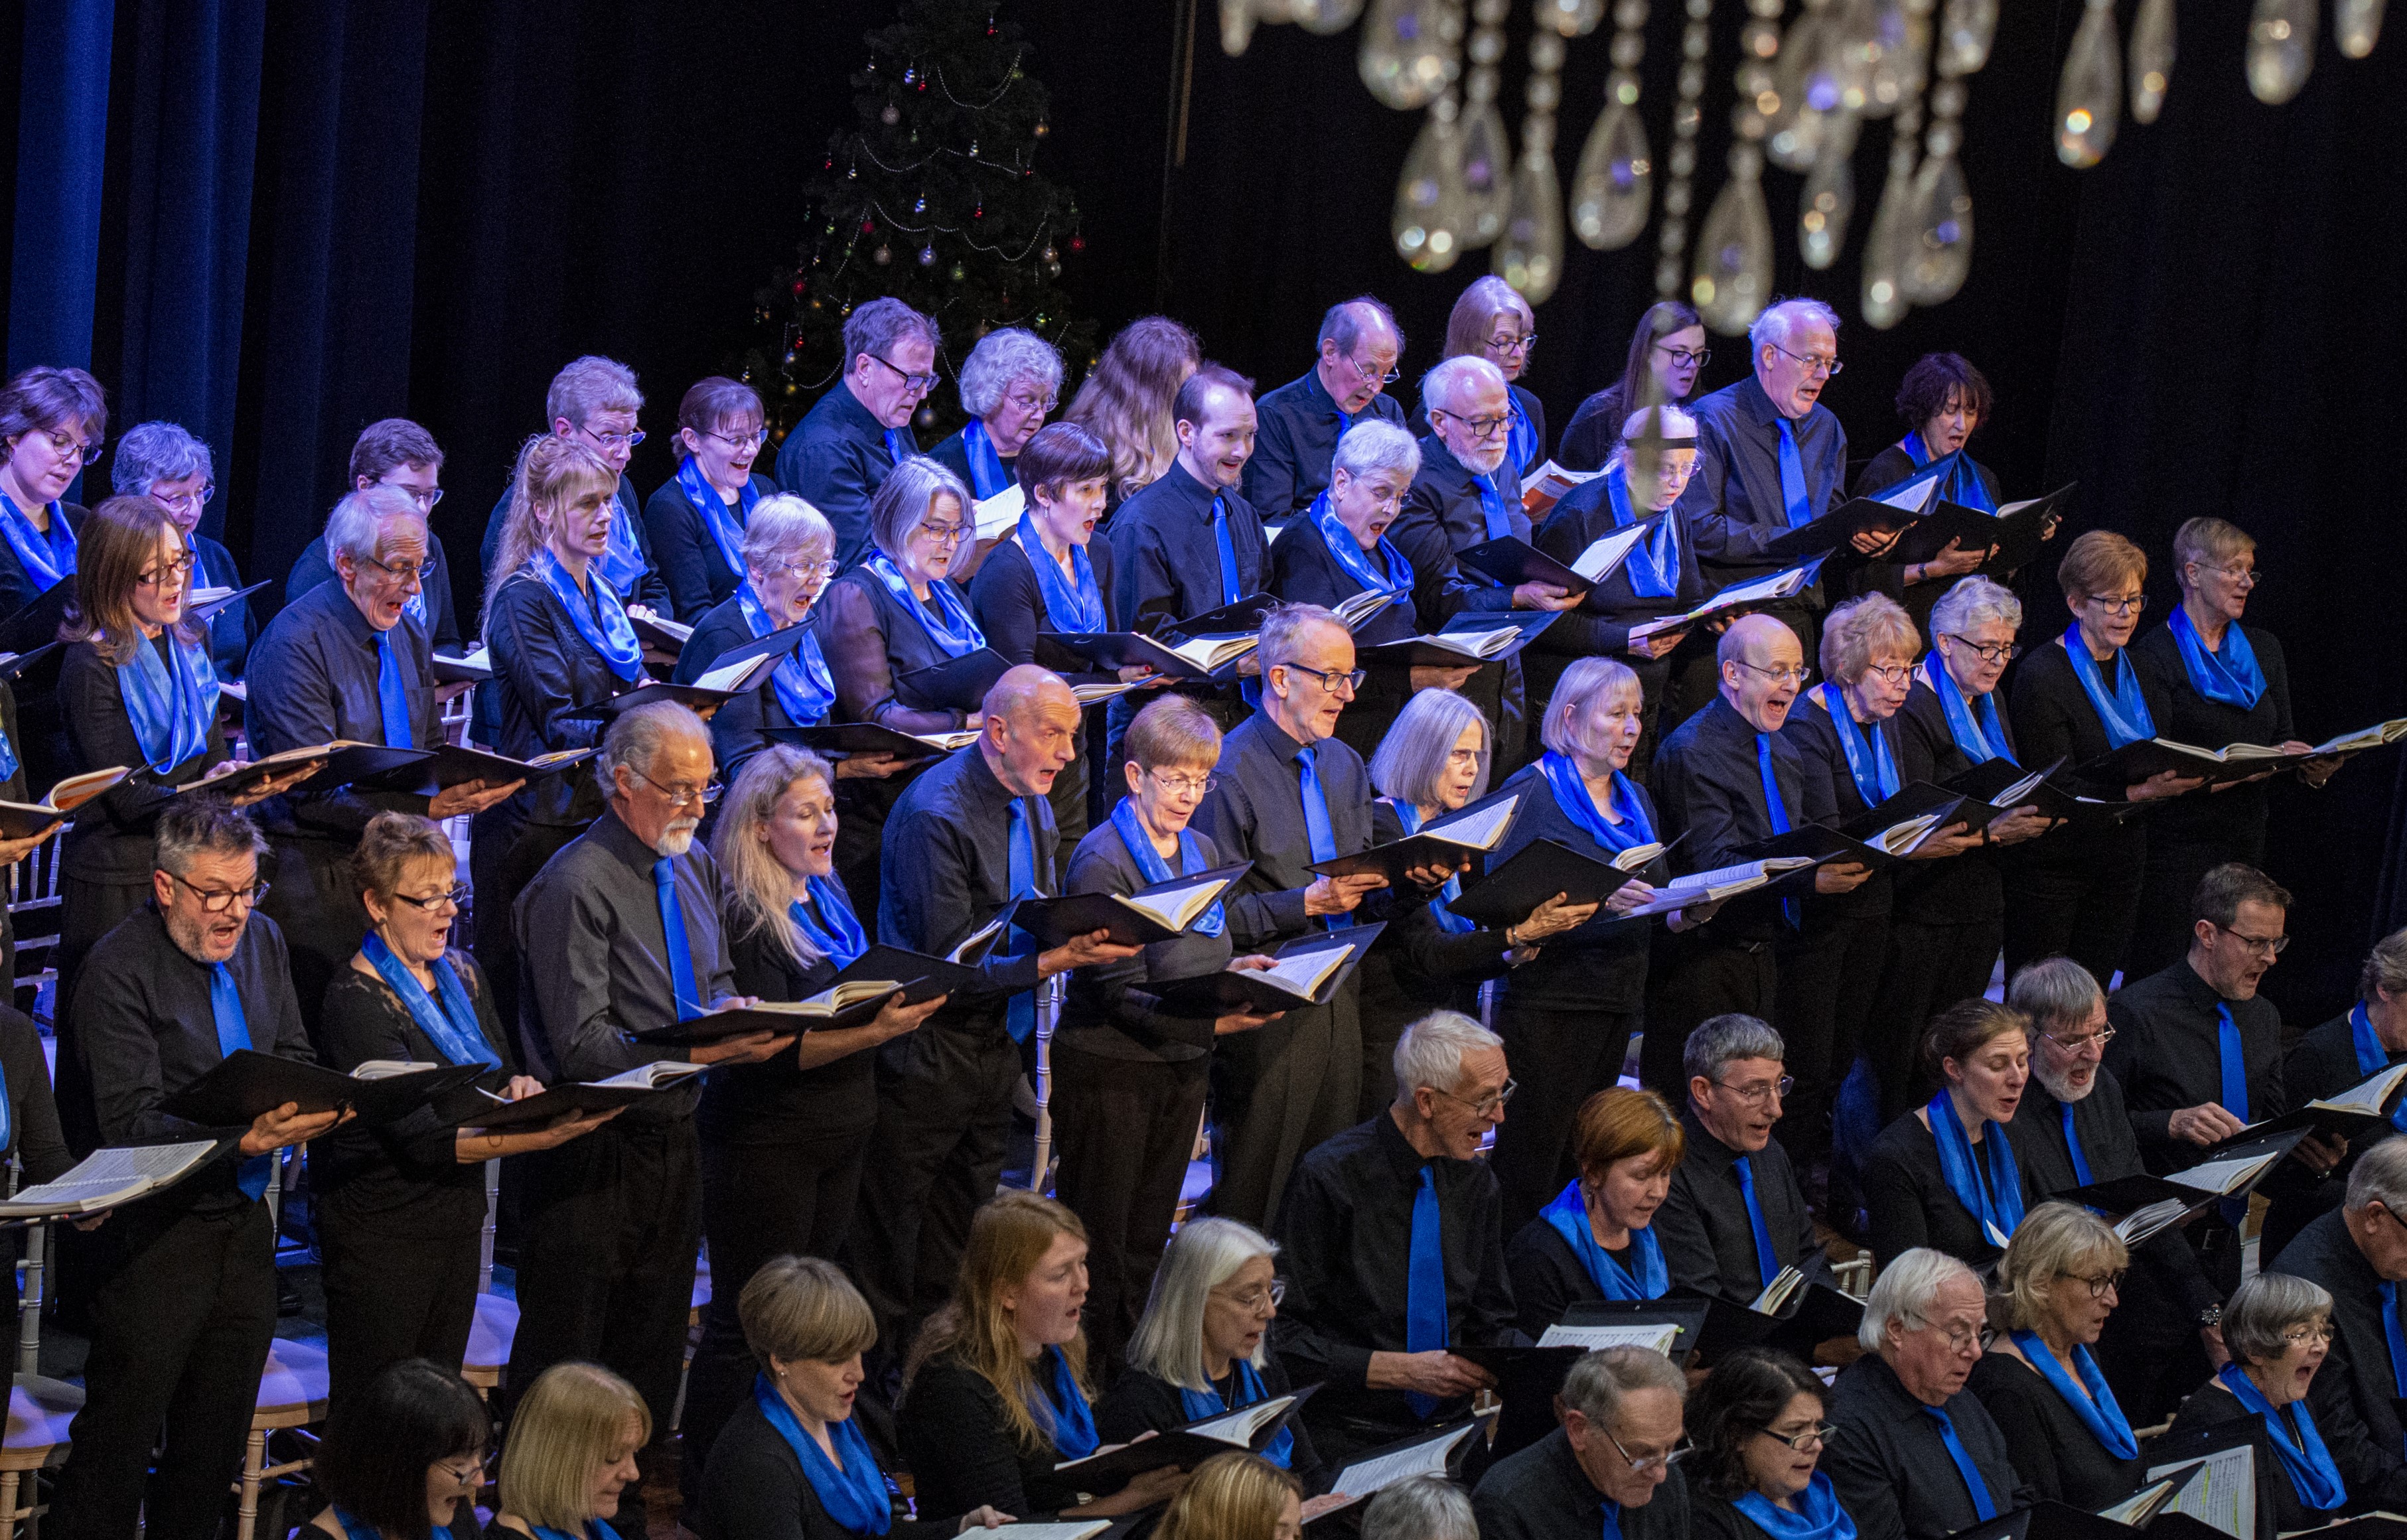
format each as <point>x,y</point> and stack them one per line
<point>1975,601</point>
<point>1431,1052</point>
<point>1421,1508</point>
<point>1203,1255</point>
<point>1904,1292</point>
<point>1002,357</point>
<point>1599,1381</point>
<point>1440,385</point>
<point>1372,445</point>
<point>2381,1177</point>
<point>356,527</point>
<point>1778,321</point>
<point>635,738</point>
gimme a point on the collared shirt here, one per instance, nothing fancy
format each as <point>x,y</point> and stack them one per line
<point>1110,1011</point>
<point>1443,514</point>
<point>650,591</point>
<point>442,621</point>
<point>314,680</point>
<point>1733,504</point>
<point>1345,1232</point>
<point>595,954</point>
<point>543,669</point>
<point>1541,1493</point>
<point>1301,423</point>
<point>944,869</point>
<point>1165,556</point>
<point>1708,783</point>
<point>2166,1054</point>
<point>1256,813</point>
<point>1708,1241</point>
<point>1891,1467</point>
<point>142,1020</point>
<point>836,457</point>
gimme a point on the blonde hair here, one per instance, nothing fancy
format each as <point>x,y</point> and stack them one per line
<point>1126,400</point>
<point>2055,1241</point>
<point>1008,1239</point>
<point>1862,628</point>
<point>1232,1496</point>
<point>2097,561</point>
<point>800,1308</point>
<point>759,888</point>
<point>551,472</point>
<point>1588,680</point>
<point>390,845</point>
<point>566,1426</point>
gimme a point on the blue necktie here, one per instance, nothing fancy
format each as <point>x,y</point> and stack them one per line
<point>1425,1286</point>
<point>1229,593</point>
<point>393,701</point>
<point>1975,1486</point>
<point>2235,1092</point>
<point>688,997</point>
<point>2073,1146</point>
<point>1612,1527</point>
<point>1315,825</point>
<point>1793,496</point>
<point>7,757</point>
<point>234,1032</point>
<point>900,445</point>
<point>1493,507</point>
<point>1766,1264</point>
<point>1774,809</point>
<point>1019,1016</point>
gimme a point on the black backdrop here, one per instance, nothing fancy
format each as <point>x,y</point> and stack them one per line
<point>438,205</point>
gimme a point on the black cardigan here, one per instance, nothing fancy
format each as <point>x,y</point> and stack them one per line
<point>754,1488</point>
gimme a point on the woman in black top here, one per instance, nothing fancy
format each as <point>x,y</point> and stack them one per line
<point>2078,892</point>
<point>51,425</point>
<point>1203,1346</point>
<point>1010,383</point>
<point>1757,1425</point>
<point>403,1457</point>
<point>697,518</point>
<point>32,1135</point>
<point>1943,399</point>
<point>1567,1011</point>
<point>559,639</point>
<point>2069,1442</point>
<point>790,1464</point>
<point>1595,1239</point>
<point>1944,1176</point>
<point>996,1391</point>
<point>782,1142</point>
<point>400,1206</point>
<point>1667,354</point>
<point>2221,683</point>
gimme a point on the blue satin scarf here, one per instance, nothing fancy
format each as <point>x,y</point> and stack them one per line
<point>1200,1404</point>
<point>725,532</point>
<point>1962,485</point>
<point>1409,815</point>
<point>601,623</point>
<point>171,710</point>
<point>2096,1411</point>
<point>1354,560</point>
<point>2231,677</point>
<point>2372,1059</point>
<point>1982,739</point>
<point>987,474</point>
<point>1572,795</point>
<point>1072,604</point>
<point>1062,1411</point>
<point>1998,1205</point>
<point>594,1529</point>
<point>950,626</point>
<point>46,558</point>
<point>1149,861</point>
<point>450,1026</point>
<point>1568,1218</point>
<point>1654,563</point>
<point>2124,714</point>
<point>805,687</point>
<point>828,922</point>
<point>1817,1515</point>
<point>1871,765</point>
<point>2308,1464</point>
<point>854,1495</point>
<point>621,563</point>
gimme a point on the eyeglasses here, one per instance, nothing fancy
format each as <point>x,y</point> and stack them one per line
<point>1640,1464</point>
<point>67,447</point>
<point>2101,1285</point>
<point>752,440</point>
<point>1332,679</point>
<point>218,901</point>
<point>1989,652</point>
<point>2132,605</point>
<point>1027,403</point>
<point>425,498</point>
<point>1962,1337</point>
<point>2241,576</point>
<point>1669,469</point>
<point>422,572</point>
<point>1814,363</point>
<point>1481,427</point>
<point>1697,356</point>
<point>921,383</point>
<point>2080,1041</point>
<point>1374,375</point>
<point>1761,1092</point>
<point>943,535</point>
<point>679,796</point>
<point>1890,673</point>
<point>457,896</point>
<point>1522,344</point>
<point>468,1477</point>
<point>1820,1433</point>
<point>805,571</point>
<point>1180,786</point>
<point>2263,946</point>
<point>1255,1300</point>
<point>173,570</point>
<point>1795,676</point>
<point>2299,1336</point>
<point>1488,1106</point>
<point>197,498</point>
<point>613,440</point>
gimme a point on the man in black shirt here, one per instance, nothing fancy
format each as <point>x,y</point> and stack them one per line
<point>1303,420</point>
<point>595,401</point>
<point>2366,1039</point>
<point>967,837</point>
<point>2359,1254</point>
<point>620,934</point>
<point>1621,1423</point>
<point>186,1297</point>
<point>1735,1216</point>
<point>1380,1283</point>
<point>854,436</point>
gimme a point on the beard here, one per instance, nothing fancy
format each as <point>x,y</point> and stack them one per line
<point>2057,1085</point>
<point>677,838</point>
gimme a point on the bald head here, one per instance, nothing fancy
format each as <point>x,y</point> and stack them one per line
<point>1029,729</point>
<point>1762,670</point>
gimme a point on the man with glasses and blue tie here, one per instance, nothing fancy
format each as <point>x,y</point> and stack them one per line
<point>843,450</point>
<point>1304,419</point>
<point>347,662</point>
<point>593,400</point>
<point>1618,1448</point>
<point>619,934</point>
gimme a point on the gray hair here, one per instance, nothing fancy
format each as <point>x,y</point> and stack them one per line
<point>1203,1255</point>
<point>1431,1052</point>
<point>783,526</point>
<point>1346,322</point>
<point>1423,1507</point>
<point>1003,355</point>
<point>636,738</point>
<point>1413,755</point>
<point>1778,321</point>
<point>1438,386</point>
<point>1715,1042</point>
<point>1372,445</point>
<point>2381,1177</point>
<point>1586,682</point>
<point>1904,1292</point>
<point>204,825</point>
<point>1283,630</point>
<point>2262,1309</point>
<point>1975,601</point>
<point>879,325</point>
<point>906,495</point>
<point>1600,1380</point>
<point>2054,991</point>
<point>153,452</point>
<point>2386,966</point>
<point>589,386</point>
<point>356,527</point>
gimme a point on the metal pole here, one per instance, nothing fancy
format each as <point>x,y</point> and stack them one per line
<point>29,1308</point>
<point>485,1242</point>
<point>1049,995</point>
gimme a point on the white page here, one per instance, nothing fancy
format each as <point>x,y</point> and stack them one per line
<point>1481,828</point>
<point>2141,1223</point>
<point>2013,795</point>
<point>1654,1336</point>
<point>2139,1504</point>
<point>997,516</point>
<point>1915,496</point>
<point>133,1169</point>
<point>2224,1494</point>
<point>1175,906</point>
<point>652,1077</point>
<point>677,629</point>
<point>1384,1471</point>
<point>1240,1426</point>
<point>1637,856</point>
<point>1606,551</point>
<point>1302,974</point>
<point>2366,1095</point>
<point>975,939</point>
<point>2222,1175</point>
<point>739,676</point>
<point>1044,1532</point>
<point>482,658</point>
<point>948,741</point>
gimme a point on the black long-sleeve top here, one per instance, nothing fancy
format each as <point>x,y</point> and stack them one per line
<point>1709,784</point>
<point>1141,1403</point>
<point>754,1488</point>
<point>962,1453</point>
<point>1733,504</point>
<point>313,680</point>
<point>2364,1476</point>
<point>18,589</point>
<point>232,629</point>
<point>870,639</point>
<point>33,1133</point>
<point>1909,1203</point>
<point>2167,1057</point>
<point>1443,514</point>
<point>1594,428</point>
<point>650,592</point>
<point>1303,571</point>
<point>1599,965</point>
<point>1708,1241</point>
<point>1833,797</point>
<point>1165,557</point>
<point>1541,1493</point>
<point>1417,963</point>
<point>1547,1276</point>
<point>945,865</point>
<point>1256,813</point>
<point>442,621</point>
<point>1964,888</point>
<point>2355,1383</point>
<point>1299,426</point>
<point>2053,1450</point>
<point>1601,622</point>
<point>143,1022</point>
<point>1883,471</point>
<point>776,1103</point>
<point>1891,1468</point>
<point>837,458</point>
<point>953,453</point>
<point>109,840</point>
<point>687,557</point>
<point>2231,819</point>
<point>543,669</point>
<point>736,728</point>
<point>404,1172</point>
<point>1346,1229</point>
<point>595,953</point>
<point>1110,1012</point>
<point>2053,719</point>
<point>1010,604</point>
<point>2323,1062</point>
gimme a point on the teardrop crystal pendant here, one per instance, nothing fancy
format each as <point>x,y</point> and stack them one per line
<point>1529,251</point>
<point>2152,58</point>
<point>1823,208</point>
<point>1732,279</point>
<point>1487,174</point>
<point>2281,48</point>
<point>1236,26</point>
<point>1570,18</point>
<point>2357,24</point>
<point>2089,95</point>
<point>1895,70</point>
<point>1810,77</point>
<point>1428,226</point>
<point>1324,15</point>
<point>1941,254</point>
<point>1612,189</point>
<point>1966,29</point>
<point>1884,301</point>
<point>1404,58</point>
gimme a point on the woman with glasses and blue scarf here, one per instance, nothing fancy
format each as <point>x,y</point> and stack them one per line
<point>1758,1421</point>
<point>1945,1175</point>
<point>2223,682</point>
<point>1942,400</point>
<point>1595,1239</point>
<point>697,518</point>
<point>1010,384</point>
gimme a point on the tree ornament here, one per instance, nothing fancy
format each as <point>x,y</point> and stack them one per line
<point>891,115</point>
<point>883,255</point>
<point>928,255</point>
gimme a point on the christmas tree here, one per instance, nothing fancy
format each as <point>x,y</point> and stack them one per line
<point>932,197</point>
